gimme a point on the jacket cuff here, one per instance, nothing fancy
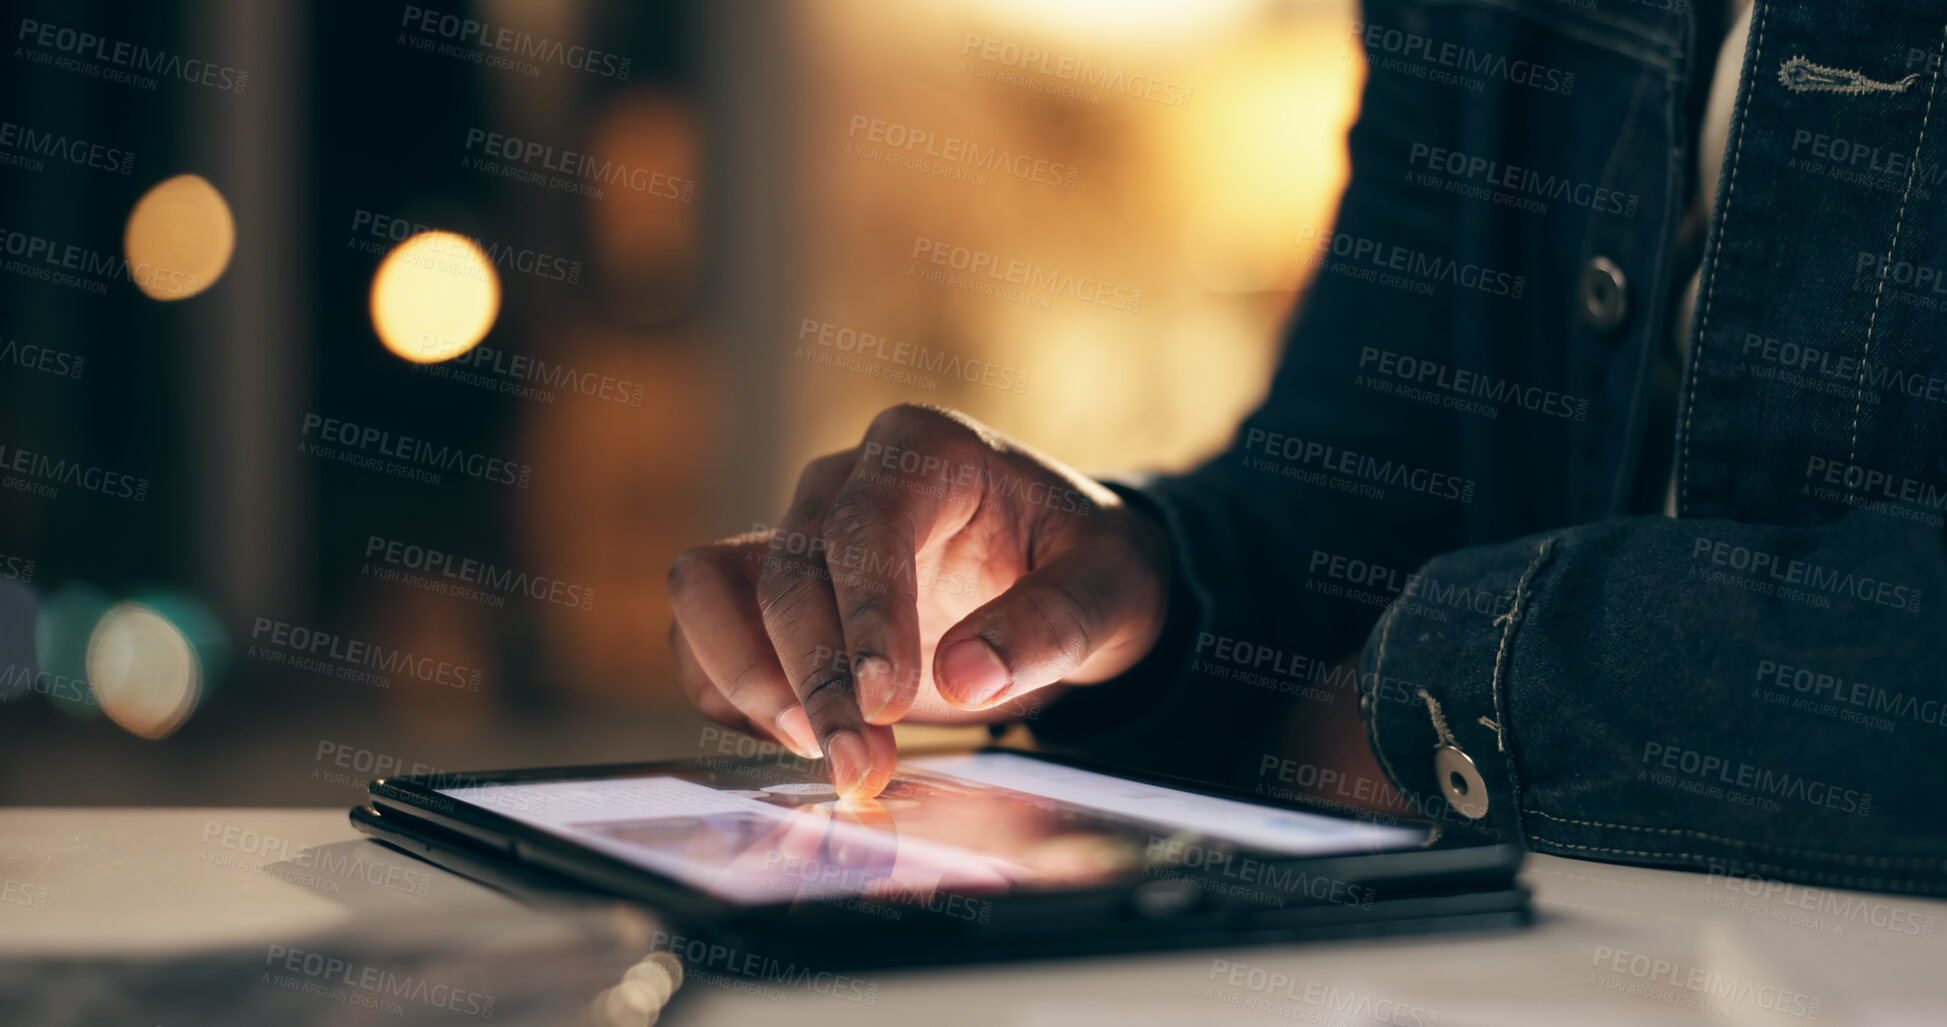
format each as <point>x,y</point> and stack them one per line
<point>1433,684</point>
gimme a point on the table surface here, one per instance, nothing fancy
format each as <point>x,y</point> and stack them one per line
<point>1611,945</point>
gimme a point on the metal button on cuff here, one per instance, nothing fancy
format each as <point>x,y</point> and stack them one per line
<point>1460,781</point>
<point>1602,297</point>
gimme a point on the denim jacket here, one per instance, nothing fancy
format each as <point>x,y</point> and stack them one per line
<point>1459,472</point>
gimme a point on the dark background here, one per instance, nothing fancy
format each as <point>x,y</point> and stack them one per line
<point>697,301</point>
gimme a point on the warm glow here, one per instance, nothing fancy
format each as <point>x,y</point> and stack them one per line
<point>1267,157</point>
<point>434,297</point>
<point>1097,19</point>
<point>179,238</point>
<point>145,672</point>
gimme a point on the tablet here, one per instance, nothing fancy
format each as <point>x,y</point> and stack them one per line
<point>964,856</point>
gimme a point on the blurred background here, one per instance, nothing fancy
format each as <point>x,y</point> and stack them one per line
<point>363,366</point>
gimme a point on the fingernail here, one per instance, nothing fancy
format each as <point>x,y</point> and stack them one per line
<point>872,683</point>
<point>971,674</point>
<point>849,761</point>
<point>795,725</point>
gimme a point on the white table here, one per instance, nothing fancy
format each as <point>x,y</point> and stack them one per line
<point>1613,945</point>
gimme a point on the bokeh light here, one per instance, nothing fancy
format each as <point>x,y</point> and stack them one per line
<point>434,297</point>
<point>179,238</point>
<point>146,674</point>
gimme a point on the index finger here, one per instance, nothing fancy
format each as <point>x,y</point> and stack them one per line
<point>794,596</point>
<point>885,512</point>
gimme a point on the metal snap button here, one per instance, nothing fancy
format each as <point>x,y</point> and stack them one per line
<point>1460,782</point>
<point>1603,295</point>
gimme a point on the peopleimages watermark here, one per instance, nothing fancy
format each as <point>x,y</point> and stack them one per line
<point>1838,374</point>
<point>736,750</point>
<point>1425,57</point>
<point>1693,987</point>
<point>21,678</point>
<point>16,568</point>
<point>716,963</point>
<point>326,652</point>
<point>465,577</point>
<point>1320,463</point>
<point>1223,870</point>
<point>113,60</point>
<point>1399,267</point>
<point>1918,285</point>
<point>1511,185</point>
<point>879,356</point>
<point>45,359</point>
<point>949,156</point>
<point>1269,667</point>
<point>1719,777</point>
<point>402,456</point>
<point>497,46</point>
<point>318,868</point>
<point>873,893</point>
<point>24,146</point>
<point>359,765</point>
<point>935,476</point>
<point>361,984</point>
<point>373,231</point>
<point>1825,910</point>
<point>1792,578</point>
<point>23,894</point>
<point>1280,994</point>
<point>531,377</point>
<point>803,554</point>
<point>1839,698</point>
<point>38,474</point>
<point>75,266</point>
<point>1017,281</point>
<point>1443,385</point>
<point>538,163</point>
<point>1374,584</point>
<point>1030,67</point>
<point>1869,488</point>
<point>1865,164</point>
<point>1353,794</point>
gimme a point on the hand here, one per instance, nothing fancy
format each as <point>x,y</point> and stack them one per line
<point>937,572</point>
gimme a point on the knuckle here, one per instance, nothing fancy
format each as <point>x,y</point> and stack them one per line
<point>867,611</point>
<point>689,566</point>
<point>903,419</point>
<point>854,518</point>
<point>825,691</point>
<point>1066,616</point>
<point>821,470</point>
<point>781,590</point>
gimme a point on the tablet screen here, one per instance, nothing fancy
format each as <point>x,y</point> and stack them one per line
<point>757,832</point>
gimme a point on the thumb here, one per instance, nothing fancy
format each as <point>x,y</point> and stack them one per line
<point>1086,614</point>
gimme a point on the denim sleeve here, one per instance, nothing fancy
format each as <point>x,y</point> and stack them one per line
<point>1696,693</point>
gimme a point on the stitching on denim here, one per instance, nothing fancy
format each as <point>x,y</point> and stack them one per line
<point>1710,291</point>
<point>1859,390</point>
<point>1440,728</point>
<point>1378,675</point>
<point>1508,620</point>
<point>1802,76</point>
<point>1916,862</point>
<point>1821,876</point>
<point>1488,723</point>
